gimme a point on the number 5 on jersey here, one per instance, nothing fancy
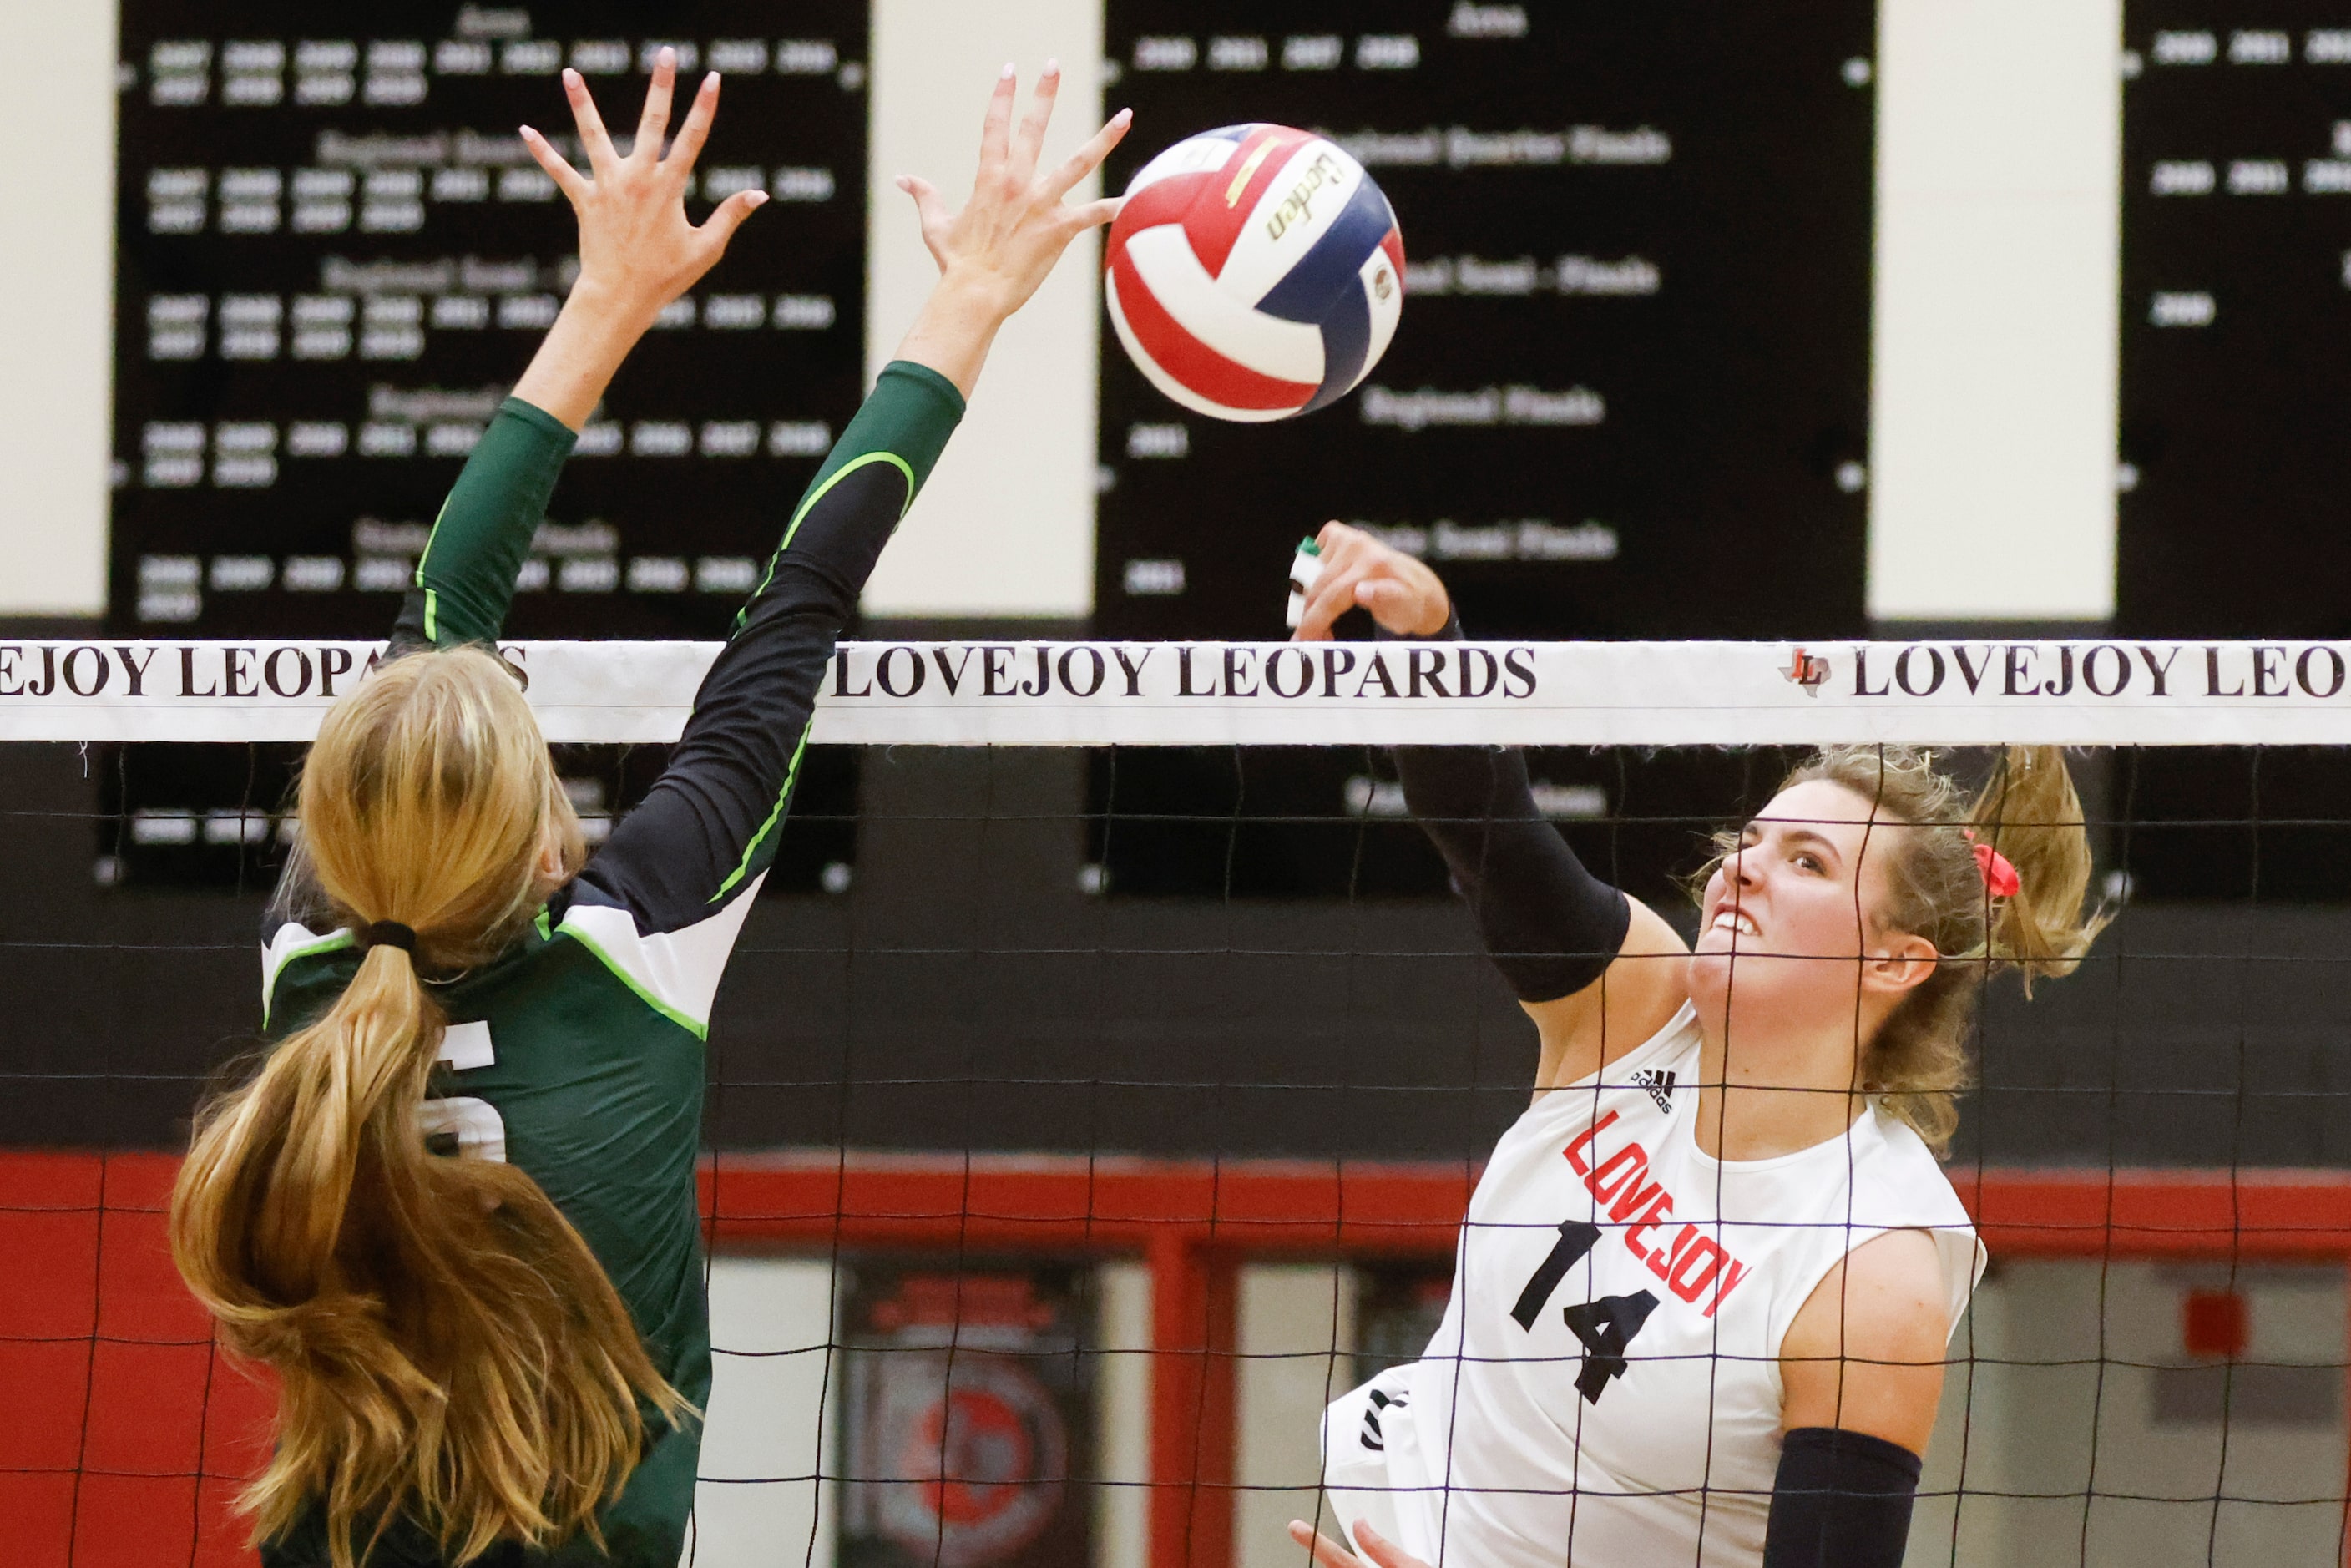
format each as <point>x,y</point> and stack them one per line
<point>461,1125</point>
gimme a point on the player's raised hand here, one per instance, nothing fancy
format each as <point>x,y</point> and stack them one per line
<point>637,251</point>
<point>1378,1551</point>
<point>1359,571</point>
<point>1018,222</point>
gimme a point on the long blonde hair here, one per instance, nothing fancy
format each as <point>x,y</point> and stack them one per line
<point>445,1344</point>
<point>2027,810</point>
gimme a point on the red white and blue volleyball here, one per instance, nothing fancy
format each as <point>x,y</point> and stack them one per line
<point>1255,273</point>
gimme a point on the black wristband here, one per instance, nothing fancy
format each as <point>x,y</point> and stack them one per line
<point>1842,1500</point>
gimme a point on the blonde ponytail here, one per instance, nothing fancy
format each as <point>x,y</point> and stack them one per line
<point>447,1348</point>
<point>2028,811</point>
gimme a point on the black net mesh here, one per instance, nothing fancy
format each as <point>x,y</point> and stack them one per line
<point>1079,1122</point>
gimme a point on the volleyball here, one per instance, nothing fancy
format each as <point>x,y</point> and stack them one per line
<point>1255,273</point>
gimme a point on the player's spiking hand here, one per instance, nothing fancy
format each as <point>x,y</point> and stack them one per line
<point>1361,572</point>
<point>995,253</point>
<point>637,251</point>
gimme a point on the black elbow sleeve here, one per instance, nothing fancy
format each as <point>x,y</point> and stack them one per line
<point>1549,925</point>
<point>1842,1500</point>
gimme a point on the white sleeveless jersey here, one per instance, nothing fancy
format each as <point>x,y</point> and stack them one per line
<point>1604,1388</point>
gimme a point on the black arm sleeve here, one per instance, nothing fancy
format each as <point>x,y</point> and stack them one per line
<point>707,831</point>
<point>1550,925</point>
<point>1842,1500</point>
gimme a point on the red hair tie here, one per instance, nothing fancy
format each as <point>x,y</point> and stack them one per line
<point>1998,871</point>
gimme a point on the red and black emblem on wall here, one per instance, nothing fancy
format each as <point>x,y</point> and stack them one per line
<point>967,1418</point>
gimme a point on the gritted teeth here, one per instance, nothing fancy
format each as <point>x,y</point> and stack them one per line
<point>1736,921</point>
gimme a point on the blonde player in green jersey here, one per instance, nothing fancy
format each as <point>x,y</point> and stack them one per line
<point>453,1208</point>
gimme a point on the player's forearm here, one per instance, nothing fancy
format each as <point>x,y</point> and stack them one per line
<point>464,582</point>
<point>708,828</point>
<point>899,432</point>
<point>1841,1500</point>
<point>582,351</point>
<point>1549,925</point>
<point>465,578</point>
<point>956,327</point>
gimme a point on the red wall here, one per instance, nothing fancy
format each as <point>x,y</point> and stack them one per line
<point>125,1432</point>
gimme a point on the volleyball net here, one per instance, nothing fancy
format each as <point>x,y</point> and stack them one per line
<point>1100,1079</point>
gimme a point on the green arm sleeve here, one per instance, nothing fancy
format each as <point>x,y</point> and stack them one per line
<point>910,412</point>
<point>905,423</point>
<point>465,579</point>
<point>708,827</point>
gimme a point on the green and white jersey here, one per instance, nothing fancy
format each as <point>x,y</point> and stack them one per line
<point>578,1055</point>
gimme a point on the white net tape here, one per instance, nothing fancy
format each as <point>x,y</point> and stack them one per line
<point>1943,691</point>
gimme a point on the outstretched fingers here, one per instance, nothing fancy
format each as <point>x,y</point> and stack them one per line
<point>594,139</point>
<point>1094,215</point>
<point>994,130</point>
<point>1029,143</point>
<point>559,169</point>
<point>1071,170</point>
<point>652,125</point>
<point>695,131</point>
<point>718,229</point>
<point>930,208</point>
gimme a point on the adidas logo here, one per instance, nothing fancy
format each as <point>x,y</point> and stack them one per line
<point>1659,1083</point>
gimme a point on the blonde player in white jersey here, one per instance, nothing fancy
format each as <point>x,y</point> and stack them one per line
<point>1702,1297</point>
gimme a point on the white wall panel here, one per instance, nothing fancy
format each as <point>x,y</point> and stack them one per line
<point>1006,528</point>
<point>1296,1335</point>
<point>1992,408</point>
<point>769,1417</point>
<point>57,263</point>
<point>1122,1405</point>
<point>2053,1446</point>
